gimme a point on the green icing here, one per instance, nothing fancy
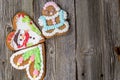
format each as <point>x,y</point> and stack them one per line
<point>32,26</point>
<point>36,53</point>
<point>29,44</point>
<point>26,19</point>
<point>37,60</point>
<point>34,29</point>
<point>27,54</point>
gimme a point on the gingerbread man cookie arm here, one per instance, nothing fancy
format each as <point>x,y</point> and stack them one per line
<point>65,15</point>
<point>40,21</point>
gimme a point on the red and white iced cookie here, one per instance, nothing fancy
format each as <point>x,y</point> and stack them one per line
<point>53,20</point>
<point>25,33</point>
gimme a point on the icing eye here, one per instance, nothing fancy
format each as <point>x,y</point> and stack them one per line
<point>33,37</point>
<point>47,12</point>
<point>30,37</point>
<point>20,34</point>
<point>20,39</point>
<point>18,44</point>
<point>52,10</point>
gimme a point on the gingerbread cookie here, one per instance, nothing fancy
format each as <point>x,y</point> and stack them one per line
<point>27,36</point>
<point>32,60</point>
<point>53,20</point>
<point>25,33</point>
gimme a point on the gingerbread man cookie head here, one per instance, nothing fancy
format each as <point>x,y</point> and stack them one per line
<point>50,9</point>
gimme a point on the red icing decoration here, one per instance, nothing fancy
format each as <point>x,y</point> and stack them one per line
<point>10,36</point>
<point>25,41</point>
<point>21,15</point>
<point>18,15</point>
<point>31,22</point>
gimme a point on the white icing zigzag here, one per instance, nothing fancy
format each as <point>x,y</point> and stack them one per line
<point>27,65</point>
<point>57,30</point>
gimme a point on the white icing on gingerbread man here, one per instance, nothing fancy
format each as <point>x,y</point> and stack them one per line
<point>53,20</point>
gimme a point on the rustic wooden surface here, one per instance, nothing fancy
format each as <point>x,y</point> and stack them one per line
<point>85,53</point>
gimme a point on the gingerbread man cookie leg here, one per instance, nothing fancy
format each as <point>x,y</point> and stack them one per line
<point>53,20</point>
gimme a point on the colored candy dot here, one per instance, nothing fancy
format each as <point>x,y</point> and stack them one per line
<point>31,22</point>
<point>32,58</point>
<point>18,15</point>
<point>23,15</point>
<point>20,60</point>
<point>35,72</point>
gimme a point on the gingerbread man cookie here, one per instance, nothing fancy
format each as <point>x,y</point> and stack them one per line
<point>27,40</point>
<point>53,20</point>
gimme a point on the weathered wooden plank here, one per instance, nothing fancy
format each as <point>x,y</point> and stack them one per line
<point>8,9</point>
<point>27,6</point>
<point>83,53</point>
<point>115,34</point>
<point>1,43</point>
<point>65,46</point>
<point>88,51</point>
<point>96,35</point>
<point>100,34</point>
<point>111,29</point>
<point>115,21</point>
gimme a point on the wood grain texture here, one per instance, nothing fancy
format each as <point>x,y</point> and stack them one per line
<point>86,52</point>
<point>65,46</point>
<point>99,30</point>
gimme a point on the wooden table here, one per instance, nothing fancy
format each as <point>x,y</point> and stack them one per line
<point>86,52</point>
